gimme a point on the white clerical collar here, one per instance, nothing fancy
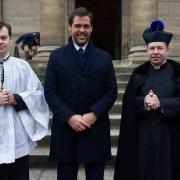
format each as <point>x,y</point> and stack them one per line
<point>78,47</point>
<point>158,66</point>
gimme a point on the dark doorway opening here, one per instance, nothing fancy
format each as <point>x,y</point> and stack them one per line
<point>107,24</point>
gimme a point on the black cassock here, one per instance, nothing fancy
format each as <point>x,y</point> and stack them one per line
<point>149,140</point>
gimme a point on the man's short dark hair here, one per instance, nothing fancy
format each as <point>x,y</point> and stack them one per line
<point>81,11</point>
<point>8,26</point>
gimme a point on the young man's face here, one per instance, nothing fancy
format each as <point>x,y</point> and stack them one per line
<point>5,41</point>
<point>81,30</point>
<point>157,52</point>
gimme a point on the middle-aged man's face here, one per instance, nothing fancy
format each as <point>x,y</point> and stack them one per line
<point>80,30</point>
<point>5,41</point>
<point>157,52</point>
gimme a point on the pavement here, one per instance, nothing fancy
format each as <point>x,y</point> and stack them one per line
<point>50,173</point>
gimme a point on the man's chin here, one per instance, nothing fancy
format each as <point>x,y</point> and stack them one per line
<point>156,60</point>
<point>81,43</point>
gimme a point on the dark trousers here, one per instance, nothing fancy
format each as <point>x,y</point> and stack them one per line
<point>93,171</point>
<point>19,170</point>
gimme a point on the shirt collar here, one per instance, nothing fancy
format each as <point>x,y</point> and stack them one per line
<point>78,47</point>
<point>158,66</point>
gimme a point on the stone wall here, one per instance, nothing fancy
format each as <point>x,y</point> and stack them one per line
<point>169,10</point>
<point>23,15</point>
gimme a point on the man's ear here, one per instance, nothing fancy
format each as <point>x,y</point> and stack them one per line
<point>169,49</point>
<point>146,47</point>
<point>11,41</point>
<point>69,28</point>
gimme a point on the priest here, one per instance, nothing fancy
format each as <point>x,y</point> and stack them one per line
<point>149,142</point>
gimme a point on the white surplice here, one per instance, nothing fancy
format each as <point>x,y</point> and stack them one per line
<point>20,130</point>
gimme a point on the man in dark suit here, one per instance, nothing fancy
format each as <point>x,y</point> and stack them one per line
<point>80,88</point>
<point>149,142</point>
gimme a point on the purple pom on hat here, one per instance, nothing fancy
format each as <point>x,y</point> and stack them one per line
<point>156,33</point>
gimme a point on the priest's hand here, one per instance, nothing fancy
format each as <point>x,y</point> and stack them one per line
<point>152,101</point>
<point>4,97</point>
<point>77,123</point>
<point>90,118</point>
<point>11,99</point>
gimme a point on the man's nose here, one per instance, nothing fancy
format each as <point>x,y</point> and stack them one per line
<point>155,50</point>
<point>82,29</point>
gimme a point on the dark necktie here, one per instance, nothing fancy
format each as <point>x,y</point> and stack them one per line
<point>2,72</point>
<point>1,75</point>
<point>81,58</point>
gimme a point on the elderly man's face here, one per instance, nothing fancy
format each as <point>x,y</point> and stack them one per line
<point>157,52</point>
<point>5,41</point>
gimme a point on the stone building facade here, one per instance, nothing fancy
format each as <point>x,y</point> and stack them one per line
<point>118,23</point>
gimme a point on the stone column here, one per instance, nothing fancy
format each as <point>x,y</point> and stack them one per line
<point>143,12</point>
<point>69,7</point>
<point>52,24</point>
<point>1,10</point>
<point>126,5</point>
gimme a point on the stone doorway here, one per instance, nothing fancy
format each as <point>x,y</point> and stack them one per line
<point>107,24</point>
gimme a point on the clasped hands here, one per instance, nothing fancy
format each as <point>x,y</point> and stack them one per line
<point>80,123</point>
<point>6,97</point>
<point>151,101</point>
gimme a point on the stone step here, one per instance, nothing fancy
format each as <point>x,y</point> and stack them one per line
<point>123,76</point>
<point>39,60</point>
<point>44,60</point>
<point>115,120</point>
<point>40,69</point>
<point>125,69</point>
<point>138,61</point>
<point>116,109</point>
<point>121,85</point>
<point>119,67</point>
<point>120,94</point>
<point>40,156</point>
<point>50,172</point>
<point>119,76</point>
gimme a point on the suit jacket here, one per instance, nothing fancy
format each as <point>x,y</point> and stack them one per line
<point>71,90</point>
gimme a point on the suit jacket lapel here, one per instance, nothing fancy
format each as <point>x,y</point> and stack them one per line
<point>90,58</point>
<point>72,63</point>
